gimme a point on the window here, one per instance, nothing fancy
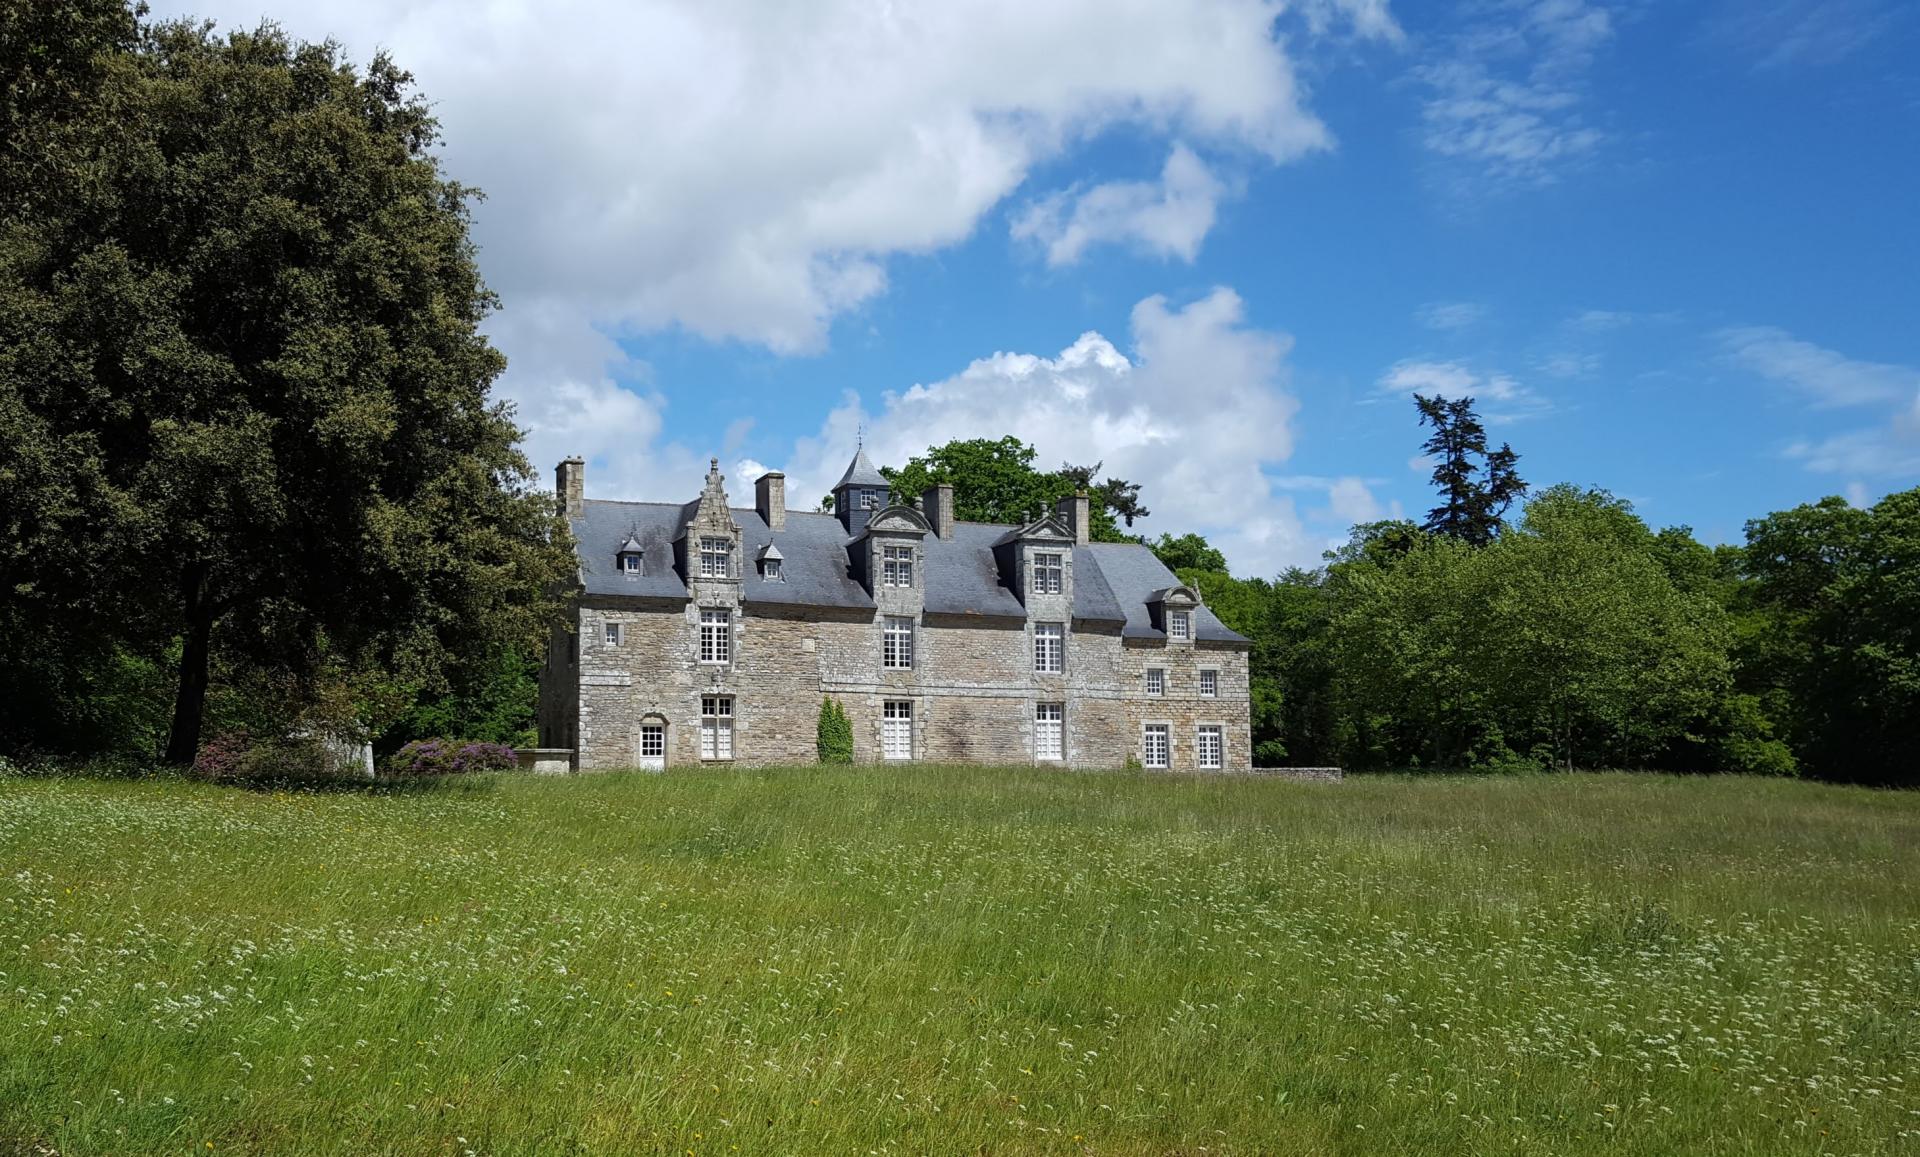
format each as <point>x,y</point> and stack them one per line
<point>770,571</point>
<point>716,727</point>
<point>1156,681</point>
<point>716,644</point>
<point>896,729</point>
<point>1049,730</point>
<point>630,563</point>
<point>653,741</point>
<point>1155,745</point>
<point>1178,626</point>
<point>1208,743</point>
<point>714,554</point>
<point>1049,647</point>
<point>1049,574</point>
<point>869,500</point>
<point>896,567</point>
<point>1209,683</point>
<point>613,634</point>
<point>896,643</point>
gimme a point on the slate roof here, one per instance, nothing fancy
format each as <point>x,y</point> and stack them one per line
<point>862,472</point>
<point>1112,582</point>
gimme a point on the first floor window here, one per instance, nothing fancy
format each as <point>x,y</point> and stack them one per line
<point>714,554</point>
<point>613,634</point>
<point>1049,647</point>
<point>1209,745</point>
<point>716,644</point>
<point>1209,683</point>
<point>1048,573</point>
<point>1178,625</point>
<point>1156,681</point>
<point>1049,731</point>
<point>716,727</point>
<point>1156,745</point>
<point>896,643</point>
<point>896,729</point>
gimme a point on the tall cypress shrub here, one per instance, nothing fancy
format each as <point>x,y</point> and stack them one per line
<point>835,733</point>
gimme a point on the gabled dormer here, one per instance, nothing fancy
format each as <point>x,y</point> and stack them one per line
<point>1036,560</point>
<point>708,549</point>
<point>888,557</point>
<point>861,492</point>
<point>1173,612</point>
<point>630,559</point>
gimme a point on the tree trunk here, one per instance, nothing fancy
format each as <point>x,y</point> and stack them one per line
<point>190,700</point>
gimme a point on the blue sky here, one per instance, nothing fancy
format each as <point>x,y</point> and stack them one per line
<point>1671,247</point>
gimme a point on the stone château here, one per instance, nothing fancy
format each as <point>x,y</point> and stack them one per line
<point>703,634</point>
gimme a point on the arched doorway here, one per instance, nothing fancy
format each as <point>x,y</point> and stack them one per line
<point>651,752</point>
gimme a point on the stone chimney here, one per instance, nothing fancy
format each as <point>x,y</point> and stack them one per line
<point>570,484</point>
<point>1074,511</point>
<point>937,504</point>
<point>770,499</point>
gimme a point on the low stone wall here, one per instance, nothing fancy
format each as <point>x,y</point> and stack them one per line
<point>1303,774</point>
<point>545,760</point>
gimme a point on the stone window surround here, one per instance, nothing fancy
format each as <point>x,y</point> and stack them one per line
<point>612,633</point>
<point>1049,572</point>
<point>1054,713</point>
<point>770,571</point>
<point>896,713</point>
<point>716,635</point>
<point>1219,729</point>
<point>1209,682</point>
<point>1179,625</point>
<point>1165,729</point>
<point>716,728</point>
<point>1050,648</point>
<point>1156,681</point>
<point>896,566</point>
<point>716,557</point>
<point>896,642</point>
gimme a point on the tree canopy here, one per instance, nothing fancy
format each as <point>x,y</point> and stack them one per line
<point>994,480</point>
<point>1474,495</point>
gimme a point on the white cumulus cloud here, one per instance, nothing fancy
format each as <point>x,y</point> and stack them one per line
<point>1825,376</point>
<point>1164,218</point>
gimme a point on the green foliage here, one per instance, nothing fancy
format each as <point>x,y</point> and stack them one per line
<point>244,412</point>
<point>492,700</point>
<point>1471,506</point>
<point>1189,552</point>
<point>834,733</point>
<point>994,480</point>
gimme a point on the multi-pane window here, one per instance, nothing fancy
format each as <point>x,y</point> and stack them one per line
<point>1179,625</point>
<point>1049,574</point>
<point>1209,683</point>
<point>896,643</point>
<point>896,729</point>
<point>1156,681</point>
<point>770,570</point>
<point>716,642</point>
<point>613,634</point>
<point>653,741</point>
<point>1049,647</point>
<point>869,500</point>
<point>896,566</point>
<point>1049,730</point>
<point>714,553</point>
<point>630,563</point>
<point>1156,746</point>
<point>1209,745</point>
<point>716,727</point>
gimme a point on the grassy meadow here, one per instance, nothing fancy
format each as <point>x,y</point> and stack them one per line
<point>938,960</point>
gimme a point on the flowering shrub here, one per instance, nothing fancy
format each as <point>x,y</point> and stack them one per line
<point>425,757</point>
<point>237,757</point>
<point>223,758</point>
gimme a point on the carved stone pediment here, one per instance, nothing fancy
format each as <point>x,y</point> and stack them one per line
<point>899,519</point>
<point>1048,527</point>
<point>1179,597</point>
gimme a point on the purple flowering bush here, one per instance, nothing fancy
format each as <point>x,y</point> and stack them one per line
<point>431,757</point>
<point>237,757</point>
<point>223,758</point>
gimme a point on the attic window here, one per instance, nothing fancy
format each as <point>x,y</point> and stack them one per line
<point>869,500</point>
<point>713,557</point>
<point>630,562</point>
<point>1178,625</point>
<point>770,570</point>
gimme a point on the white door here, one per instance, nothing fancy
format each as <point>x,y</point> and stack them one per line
<point>896,730</point>
<point>1048,740</point>
<point>653,747</point>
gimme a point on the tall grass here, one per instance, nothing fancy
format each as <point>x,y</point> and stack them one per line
<point>958,961</point>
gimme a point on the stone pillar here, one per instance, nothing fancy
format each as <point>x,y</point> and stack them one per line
<point>1075,511</point>
<point>937,505</point>
<point>570,484</point>
<point>770,499</point>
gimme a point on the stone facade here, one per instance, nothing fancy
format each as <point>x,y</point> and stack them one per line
<point>630,662</point>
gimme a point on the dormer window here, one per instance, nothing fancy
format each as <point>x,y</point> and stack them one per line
<point>1048,572</point>
<point>896,567</point>
<point>630,563</point>
<point>714,555</point>
<point>627,558</point>
<point>770,570</point>
<point>1179,624</point>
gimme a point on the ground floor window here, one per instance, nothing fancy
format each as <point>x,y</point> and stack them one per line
<point>896,729</point>
<point>1049,731</point>
<point>1209,745</point>
<point>1156,745</point>
<point>716,727</point>
<point>653,741</point>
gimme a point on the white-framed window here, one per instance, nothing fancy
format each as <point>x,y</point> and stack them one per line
<point>716,636</point>
<point>896,566</point>
<point>1179,624</point>
<point>1049,573</point>
<point>896,729</point>
<point>714,555</point>
<point>896,643</point>
<point>613,634</point>
<point>1156,681</point>
<point>770,571</point>
<point>653,741</point>
<point>869,500</point>
<point>1209,682</point>
<point>1049,731</point>
<point>1050,648</point>
<point>630,562</point>
<point>1209,745</point>
<point>1156,745</point>
<point>716,727</point>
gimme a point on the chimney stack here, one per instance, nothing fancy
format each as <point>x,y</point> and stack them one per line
<point>570,485</point>
<point>770,499</point>
<point>1075,511</point>
<point>938,504</point>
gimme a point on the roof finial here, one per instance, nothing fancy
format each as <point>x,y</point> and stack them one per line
<point>860,437</point>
